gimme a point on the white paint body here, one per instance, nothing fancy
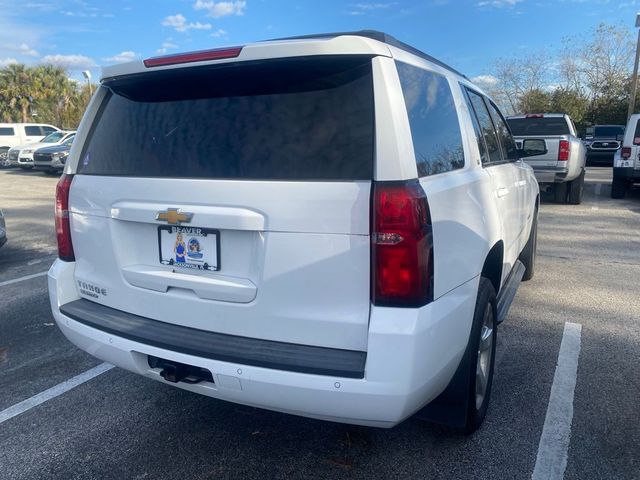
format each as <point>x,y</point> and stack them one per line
<point>296,261</point>
<point>20,136</point>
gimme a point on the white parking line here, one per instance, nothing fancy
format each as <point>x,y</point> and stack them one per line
<point>53,392</point>
<point>551,461</point>
<point>20,279</point>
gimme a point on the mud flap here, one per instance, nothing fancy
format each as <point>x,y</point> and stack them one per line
<point>451,407</point>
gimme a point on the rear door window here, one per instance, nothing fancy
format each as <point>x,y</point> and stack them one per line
<point>486,125</point>
<point>33,131</point>
<point>309,118</point>
<point>6,131</point>
<point>433,118</point>
<point>482,146</point>
<point>507,144</point>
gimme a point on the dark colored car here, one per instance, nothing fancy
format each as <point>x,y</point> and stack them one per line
<point>602,142</point>
<point>52,159</point>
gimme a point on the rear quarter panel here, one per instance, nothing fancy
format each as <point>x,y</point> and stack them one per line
<point>463,211</point>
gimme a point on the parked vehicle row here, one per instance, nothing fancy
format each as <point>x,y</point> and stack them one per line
<point>562,168</point>
<point>17,134</point>
<point>23,156</point>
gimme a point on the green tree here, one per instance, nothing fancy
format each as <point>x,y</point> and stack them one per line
<point>43,93</point>
<point>534,101</point>
<point>15,90</point>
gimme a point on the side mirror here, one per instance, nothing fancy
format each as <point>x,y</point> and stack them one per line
<point>532,147</point>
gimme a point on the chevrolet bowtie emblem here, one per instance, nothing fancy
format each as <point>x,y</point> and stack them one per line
<point>174,216</point>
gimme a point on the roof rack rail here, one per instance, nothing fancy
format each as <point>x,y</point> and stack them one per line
<point>381,37</point>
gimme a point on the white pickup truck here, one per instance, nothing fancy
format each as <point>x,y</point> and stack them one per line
<point>562,167</point>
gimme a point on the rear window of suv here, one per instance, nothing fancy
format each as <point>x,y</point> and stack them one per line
<point>608,131</point>
<point>310,118</point>
<point>548,126</point>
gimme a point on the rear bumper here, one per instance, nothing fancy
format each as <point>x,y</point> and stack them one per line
<point>627,173</point>
<point>412,354</point>
<point>551,174</point>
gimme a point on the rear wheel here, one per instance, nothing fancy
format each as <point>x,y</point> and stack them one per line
<point>481,349</point>
<point>618,187</point>
<point>576,189</point>
<point>528,254</point>
<point>560,192</point>
<point>463,404</point>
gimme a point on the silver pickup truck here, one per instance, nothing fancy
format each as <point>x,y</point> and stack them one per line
<point>562,167</point>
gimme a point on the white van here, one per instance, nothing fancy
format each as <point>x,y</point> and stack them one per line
<point>330,226</point>
<point>15,134</point>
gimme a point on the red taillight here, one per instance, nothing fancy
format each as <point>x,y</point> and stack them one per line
<point>625,152</point>
<point>203,55</point>
<point>63,227</point>
<point>402,245</point>
<point>564,150</point>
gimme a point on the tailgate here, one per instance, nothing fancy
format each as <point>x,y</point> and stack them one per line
<point>205,200</point>
<point>550,159</point>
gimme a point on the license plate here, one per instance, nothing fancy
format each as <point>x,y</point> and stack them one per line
<point>189,247</point>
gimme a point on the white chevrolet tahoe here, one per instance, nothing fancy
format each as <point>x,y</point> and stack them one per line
<point>330,226</point>
<point>562,168</point>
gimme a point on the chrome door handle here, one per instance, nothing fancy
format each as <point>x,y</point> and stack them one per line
<point>502,192</point>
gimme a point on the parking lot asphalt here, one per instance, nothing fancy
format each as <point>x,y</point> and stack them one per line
<point>120,425</point>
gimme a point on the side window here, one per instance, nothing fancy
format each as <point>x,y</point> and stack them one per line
<point>482,146</point>
<point>33,131</point>
<point>486,124</point>
<point>433,118</point>
<point>47,130</point>
<point>6,132</point>
<point>509,150</point>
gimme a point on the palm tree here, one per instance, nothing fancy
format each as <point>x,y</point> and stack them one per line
<point>45,89</point>
<point>15,90</point>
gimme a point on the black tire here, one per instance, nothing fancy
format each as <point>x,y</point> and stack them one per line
<point>528,254</point>
<point>576,190</point>
<point>560,192</point>
<point>618,187</point>
<point>485,313</point>
<point>456,407</point>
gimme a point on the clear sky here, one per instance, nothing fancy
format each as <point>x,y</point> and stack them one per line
<point>468,34</point>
